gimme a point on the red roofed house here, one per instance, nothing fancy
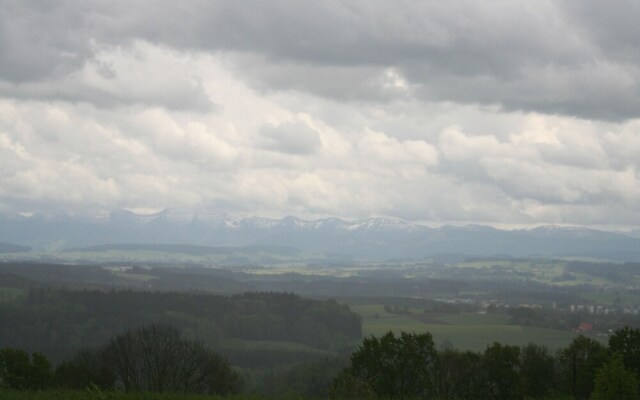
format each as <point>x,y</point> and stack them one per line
<point>584,327</point>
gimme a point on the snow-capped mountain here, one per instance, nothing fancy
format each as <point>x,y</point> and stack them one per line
<point>372,238</point>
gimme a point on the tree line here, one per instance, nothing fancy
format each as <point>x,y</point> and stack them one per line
<point>153,358</point>
<point>408,366</point>
<point>58,322</point>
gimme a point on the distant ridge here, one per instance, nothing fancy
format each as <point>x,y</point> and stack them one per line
<point>13,248</point>
<point>364,239</point>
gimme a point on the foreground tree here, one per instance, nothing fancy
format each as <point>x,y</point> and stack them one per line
<point>615,382</point>
<point>626,342</point>
<point>153,358</point>
<point>578,365</point>
<point>396,367</point>
<point>88,367</point>
<point>459,375</point>
<point>156,359</point>
<point>537,370</point>
<point>501,364</point>
<point>348,387</point>
<point>19,371</point>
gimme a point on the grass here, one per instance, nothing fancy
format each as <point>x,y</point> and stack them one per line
<point>476,319</point>
<point>272,345</point>
<point>609,297</point>
<point>467,331</point>
<point>486,264</point>
<point>238,256</point>
<point>100,395</point>
<point>134,277</point>
<point>478,337</point>
<point>8,294</point>
<point>97,394</point>
<point>549,272</point>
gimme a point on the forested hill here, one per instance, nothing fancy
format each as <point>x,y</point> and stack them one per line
<point>59,322</point>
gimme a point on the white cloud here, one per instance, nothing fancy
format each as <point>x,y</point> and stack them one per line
<point>384,149</point>
<point>433,112</point>
<point>291,137</point>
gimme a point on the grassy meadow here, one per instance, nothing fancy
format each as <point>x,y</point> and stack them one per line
<point>103,395</point>
<point>466,331</point>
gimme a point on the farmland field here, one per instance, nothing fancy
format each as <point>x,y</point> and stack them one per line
<point>466,331</point>
<point>273,345</point>
<point>610,297</point>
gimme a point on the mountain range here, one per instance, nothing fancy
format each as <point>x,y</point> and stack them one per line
<point>365,239</point>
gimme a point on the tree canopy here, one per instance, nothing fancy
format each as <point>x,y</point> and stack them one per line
<point>396,367</point>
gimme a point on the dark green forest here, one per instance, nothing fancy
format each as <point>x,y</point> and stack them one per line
<point>59,322</point>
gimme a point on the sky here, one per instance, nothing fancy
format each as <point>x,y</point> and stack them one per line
<point>502,113</point>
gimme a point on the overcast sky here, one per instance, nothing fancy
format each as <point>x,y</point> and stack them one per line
<point>511,112</point>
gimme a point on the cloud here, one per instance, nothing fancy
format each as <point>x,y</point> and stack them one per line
<point>383,149</point>
<point>549,166</point>
<point>121,78</point>
<point>511,112</point>
<point>516,55</point>
<point>552,170</point>
<point>554,57</point>
<point>43,39</point>
<point>348,83</point>
<point>291,137</point>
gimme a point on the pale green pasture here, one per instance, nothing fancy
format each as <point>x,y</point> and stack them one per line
<point>467,331</point>
<point>478,337</point>
<point>609,297</point>
<point>475,319</point>
<point>134,277</point>
<point>272,345</point>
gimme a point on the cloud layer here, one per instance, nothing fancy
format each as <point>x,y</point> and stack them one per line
<point>506,112</point>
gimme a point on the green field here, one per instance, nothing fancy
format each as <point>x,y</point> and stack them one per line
<point>273,345</point>
<point>9,294</point>
<point>134,277</point>
<point>610,297</point>
<point>217,256</point>
<point>476,319</point>
<point>467,331</point>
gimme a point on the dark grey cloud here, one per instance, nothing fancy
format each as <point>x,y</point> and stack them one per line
<point>337,82</point>
<point>612,27</point>
<point>43,38</point>
<point>577,58</point>
<point>185,98</point>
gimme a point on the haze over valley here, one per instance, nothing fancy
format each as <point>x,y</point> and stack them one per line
<point>372,239</point>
